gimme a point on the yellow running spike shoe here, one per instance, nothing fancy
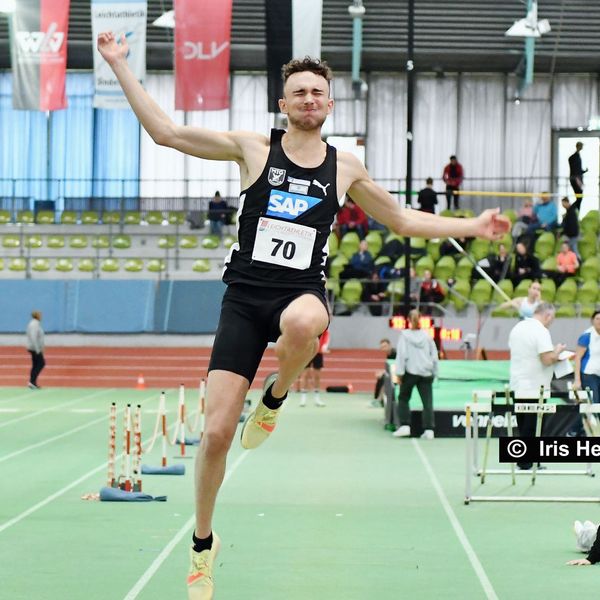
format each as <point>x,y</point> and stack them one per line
<point>200,578</point>
<point>260,424</point>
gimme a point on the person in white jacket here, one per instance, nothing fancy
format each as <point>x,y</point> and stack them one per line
<point>416,365</point>
<point>35,347</point>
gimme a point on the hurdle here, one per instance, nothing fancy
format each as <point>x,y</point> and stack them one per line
<point>489,407</point>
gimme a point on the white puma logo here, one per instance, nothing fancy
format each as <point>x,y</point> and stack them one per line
<point>323,187</point>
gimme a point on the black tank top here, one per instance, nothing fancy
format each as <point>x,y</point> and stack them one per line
<point>284,221</point>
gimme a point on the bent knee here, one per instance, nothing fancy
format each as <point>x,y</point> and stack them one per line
<point>217,442</point>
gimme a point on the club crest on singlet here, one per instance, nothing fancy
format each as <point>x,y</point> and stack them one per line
<point>286,205</point>
<point>276,176</point>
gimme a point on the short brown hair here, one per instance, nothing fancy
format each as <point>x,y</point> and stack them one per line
<point>314,65</point>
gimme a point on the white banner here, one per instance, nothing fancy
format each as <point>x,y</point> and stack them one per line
<point>120,17</point>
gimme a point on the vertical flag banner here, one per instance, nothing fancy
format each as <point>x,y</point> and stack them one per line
<point>293,31</point>
<point>38,47</point>
<point>202,51</point>
<point>126,17</point>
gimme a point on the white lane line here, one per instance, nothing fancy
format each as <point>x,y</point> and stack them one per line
<point>73,484</point>
<point>460,533</point>
<point>158,561</point>
<point>28,393</point>
<point>51,408</point>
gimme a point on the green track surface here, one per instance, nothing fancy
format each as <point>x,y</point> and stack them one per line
<point>332,507</point>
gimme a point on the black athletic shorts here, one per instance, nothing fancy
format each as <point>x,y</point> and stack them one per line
<point>316,362</point>
<point>249,321</point>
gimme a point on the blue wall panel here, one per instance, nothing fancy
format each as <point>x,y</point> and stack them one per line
<point>19,298</point>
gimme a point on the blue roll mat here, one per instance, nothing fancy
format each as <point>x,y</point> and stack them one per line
<point>109,494</point>
<point>169,470</point>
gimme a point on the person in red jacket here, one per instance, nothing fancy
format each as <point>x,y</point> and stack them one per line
<point>352,218</point>
<point>453,176</point>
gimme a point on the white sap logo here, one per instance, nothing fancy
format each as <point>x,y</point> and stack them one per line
<point>289,206</point>
<point>34,42</point>
<point>192,50</point>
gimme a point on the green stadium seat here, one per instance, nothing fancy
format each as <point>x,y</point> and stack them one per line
<point>111,217</point>
<point>587,310</point>
<point>590,269</point>
<point>522,288</point>
<point>1,263</point>
<point>4,217</point>
<point>132,217</point>
<point>156,265</point>
<point>566,292</point>
<point>506,240</point>
<point>511,214</point>
<point>464,212</point>
<point>154,217</point>
<point>210,242</point>
<point>17,264</point>
<point>333,286</point>
<point>122,242</point>
<point>349,244</point>
<point>589,223</point>
<point>400,263</point>
<point>464,269</point>
<point>78,241</point>
<point>418,247</point>
<point>334,244</point>
<point>351,293</point>
<point>479,248</point>
<point>40,264</point>
<point>101,241</point>
<point>588,292</point>
<point>87,265</point>
<point>505,313</point>
<point>506,286</point>
<point>460,299</point>
<point>25,216</point>
<point>544,245</point>
<point>548,289</point>
<point>395,290</point>
<point>337,266</point>
<point>33,241</point>
<point>444,268</point>
<point>201,265</point>
<point>549,264</point>
<point>187,242</point>
<point>587,246</point>
<point>45,217</point>
<point>425,263</point>
<point>55,241</point>
<point>380,260</point>
<point>11,241</point>
<point>228,241</point>
<point>176,217</point>
<point>166,241</point>
<point>68,217</point>
<point>433,249</point>
<point>133,265</point>
<point>64,265</point>
<point>566,311</point>
<point>447,213</point>
<point>89,217</point>
<point>109,265</point>
<point>481,294</point>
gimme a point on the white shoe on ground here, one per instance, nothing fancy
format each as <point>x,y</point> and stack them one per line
<point>402,431</point>
<point>428,434</point>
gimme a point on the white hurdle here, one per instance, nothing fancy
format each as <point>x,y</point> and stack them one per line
<point>473,469</point>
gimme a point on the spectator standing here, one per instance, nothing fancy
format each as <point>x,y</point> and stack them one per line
<point>312,373</point>
<point>566,263</point>
<point>532,357</point>
<point>576,171</point>
<point>453,177</point>
<point>416,365</point>
<point>390,354</point>
<point>527,266</point>
<point>352,217</point>
<point>218,214</point>
<point>587,359</point>
<point>570,222</point>
<point>35,347</point>
<point>427,197</point>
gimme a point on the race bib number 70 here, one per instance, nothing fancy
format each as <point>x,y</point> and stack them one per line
<point>283,243</point>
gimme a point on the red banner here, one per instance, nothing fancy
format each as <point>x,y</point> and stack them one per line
<point>39,54</point>
<point>202,50</point>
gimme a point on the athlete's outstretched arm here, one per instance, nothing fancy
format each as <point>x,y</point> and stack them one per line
<point>195,141</point>
<point>381,206</point>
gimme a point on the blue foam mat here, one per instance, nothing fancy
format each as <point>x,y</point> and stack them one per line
<point>169,470</point>
<point>109,494</point>
<point>188,441</point>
